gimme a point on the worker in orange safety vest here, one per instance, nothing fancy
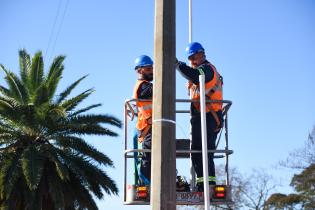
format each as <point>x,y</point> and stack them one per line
<point>214,117</point>
<point>143,93</point>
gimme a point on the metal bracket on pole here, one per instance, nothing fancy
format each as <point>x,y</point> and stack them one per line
<point>204,141</point>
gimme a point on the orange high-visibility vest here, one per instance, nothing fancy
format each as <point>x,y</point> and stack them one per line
<point>144,108</point>
<point>213,91</point>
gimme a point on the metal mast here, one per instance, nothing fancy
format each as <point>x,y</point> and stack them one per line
<point>163,174</point>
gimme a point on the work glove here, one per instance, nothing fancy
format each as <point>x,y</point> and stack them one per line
<point>177,63</point>
<point>189,84</point>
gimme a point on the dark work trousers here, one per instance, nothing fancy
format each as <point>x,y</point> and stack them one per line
<point>145,168</point>
<point>197,142</point>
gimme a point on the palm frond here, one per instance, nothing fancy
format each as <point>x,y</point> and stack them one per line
<point>10,100</point>
<point>54,75</point>
<point>25,66</point>
<point>32,165</point>
<point>6,124</point>
<point>69,160</point>
<point>57,111</point>
<point>107,183</point>
<point>19,198</point>
<point>9,173</point>
<point>87,129</point>
<point>52,155</point>
<point>83,148</point>
<point>96,119</point>
<point>8,109</point>
<point>55,189</point>
<point>68,90</point>
<point>37,71</point>
<point>17,89</point>
<point>15,115</point>
<point>55,67</point>
<point>83,196</point>
<point>4,104</point>
<point>42,95</point>
<point>73,102</point>
<point>84,110</point>
<point>5,91</point>
<point>88,172</point>
<point>93,173</point>
<point>6,138</point>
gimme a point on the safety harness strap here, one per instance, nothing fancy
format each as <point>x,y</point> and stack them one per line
<point>217,120</point>
<point>215,116</point>
<point>145,131</point>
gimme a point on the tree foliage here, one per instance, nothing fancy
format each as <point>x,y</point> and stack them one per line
<point>303,182</point>
<point>45,161</point>
<point>281,201</point>
<point>304,185</point>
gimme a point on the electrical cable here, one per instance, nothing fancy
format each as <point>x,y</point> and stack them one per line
<point>59,28</point>
<point>53,29</point>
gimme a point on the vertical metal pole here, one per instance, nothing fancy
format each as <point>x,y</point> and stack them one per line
<point>190,20</point>
<point>204,141</point>
<point>226,148</point>
<point>192,169</point>
<point>163,171</point>
<point>125,148</point>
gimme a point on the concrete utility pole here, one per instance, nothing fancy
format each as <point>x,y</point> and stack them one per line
<point>163,172</point>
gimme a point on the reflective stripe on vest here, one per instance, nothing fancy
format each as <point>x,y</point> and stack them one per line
<point>210,179</point>
<point>213,91</point>
<point>144,108</point>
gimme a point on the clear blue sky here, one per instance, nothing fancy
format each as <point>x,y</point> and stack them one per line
<point>265,50</point>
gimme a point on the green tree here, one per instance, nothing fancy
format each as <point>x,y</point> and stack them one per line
<point>279,201</point>
<point>304,185</point>
<point>45,161</point>
<point>303,182</point>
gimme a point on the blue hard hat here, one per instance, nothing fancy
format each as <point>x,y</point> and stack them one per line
<point>142,61</point>
<point>193,48</point>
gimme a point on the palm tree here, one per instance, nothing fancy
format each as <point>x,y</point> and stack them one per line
<point>45,162</point>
